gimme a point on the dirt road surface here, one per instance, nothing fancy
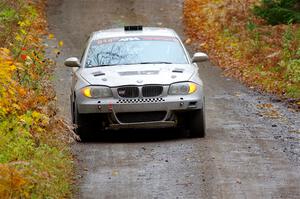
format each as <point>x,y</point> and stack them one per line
<point>252,146</point>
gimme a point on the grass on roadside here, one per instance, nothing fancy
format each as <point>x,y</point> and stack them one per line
<point>35,159</point>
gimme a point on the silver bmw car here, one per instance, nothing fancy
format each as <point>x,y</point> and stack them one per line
<point>136,77</point>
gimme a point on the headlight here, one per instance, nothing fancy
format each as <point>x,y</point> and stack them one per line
<point>183,88</point>
<point>96,92</point>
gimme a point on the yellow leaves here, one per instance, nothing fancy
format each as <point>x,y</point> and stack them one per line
<point>60,43</point>
<point>24,23</point>
<point>25,111</point>
<point>274,114</point>
<point>9,89</point>
<point>18,37</point>
<point>40,118</point>
<point>23,31</point>
<point>115,173</point>
<point>36,115</point>
<point>50,36</point>
<point>266,106</point>
<point>13,67</point>
<point>34,122</point>
<point>5,57</point>
<point>12,182</point>
<point>7,65</point>
<point>234,44</point>
<point>222,29</point>
<point>204,44</point>
<point>268,111</point>
<point>5,51</point>
<point>188,41</point>
<point>22,91</point>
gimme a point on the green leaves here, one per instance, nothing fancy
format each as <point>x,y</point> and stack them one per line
<point>278,12</point>
<point>34,157</point>
<point>8,15</point>
<point>262,56</point>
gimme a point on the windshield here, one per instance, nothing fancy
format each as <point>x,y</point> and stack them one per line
<point>135,50</point>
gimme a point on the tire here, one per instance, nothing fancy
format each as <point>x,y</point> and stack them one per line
<point>197,124</point>
<point>82,124</point>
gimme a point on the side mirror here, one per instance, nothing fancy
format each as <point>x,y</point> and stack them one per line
<point>72,62</point>
<point>200,57</point>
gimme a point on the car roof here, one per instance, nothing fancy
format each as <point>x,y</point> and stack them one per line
<point>147,31</point>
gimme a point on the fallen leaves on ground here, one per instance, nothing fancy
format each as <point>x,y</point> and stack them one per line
<point>262,56</point>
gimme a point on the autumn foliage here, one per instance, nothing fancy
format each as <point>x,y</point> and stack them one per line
<point>262,56</point>
<point>35,161</point>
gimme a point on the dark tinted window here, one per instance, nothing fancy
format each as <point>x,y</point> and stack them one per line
<point>135,50</point>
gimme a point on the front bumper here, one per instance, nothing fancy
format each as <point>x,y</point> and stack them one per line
<point>169,104</point>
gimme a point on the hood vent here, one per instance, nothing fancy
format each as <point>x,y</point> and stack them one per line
<point>97,74</point>
<point>178,70</point>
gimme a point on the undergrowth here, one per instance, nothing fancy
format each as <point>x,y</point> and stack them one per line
<point>263,56</point>
<point>278,11</point>
<point>35,161</point>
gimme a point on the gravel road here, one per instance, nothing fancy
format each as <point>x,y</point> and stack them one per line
<point>252,148</point>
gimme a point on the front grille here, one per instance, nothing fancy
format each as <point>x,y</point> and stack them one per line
<point>141,116</point>
<point>152,91</point>
<point>128,92</point>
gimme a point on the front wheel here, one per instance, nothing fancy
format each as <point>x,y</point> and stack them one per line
<point>197,123</point>
<point>82,123</point>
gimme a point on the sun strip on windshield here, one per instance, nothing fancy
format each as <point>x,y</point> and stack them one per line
<point>127,39</point>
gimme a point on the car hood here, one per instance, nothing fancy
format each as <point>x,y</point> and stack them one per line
<point>138,74</point>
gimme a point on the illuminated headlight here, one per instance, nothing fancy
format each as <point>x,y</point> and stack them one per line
<point>183,88</point>
<point>96,92</point>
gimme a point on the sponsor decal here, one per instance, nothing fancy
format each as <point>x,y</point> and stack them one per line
<point>128,39</point>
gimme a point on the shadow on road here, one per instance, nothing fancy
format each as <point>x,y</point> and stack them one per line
<point>134,136</point>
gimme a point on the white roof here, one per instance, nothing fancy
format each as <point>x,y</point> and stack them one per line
<point>147,31</point>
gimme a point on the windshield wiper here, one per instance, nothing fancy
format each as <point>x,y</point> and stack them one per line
<point>157,62</point>
<point>103,65</point>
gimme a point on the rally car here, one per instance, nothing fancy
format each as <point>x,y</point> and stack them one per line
<point>137,77</point>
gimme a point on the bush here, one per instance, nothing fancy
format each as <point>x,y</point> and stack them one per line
<point>278,11</point>
<point>35,158</point>
<point>262,56</point>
